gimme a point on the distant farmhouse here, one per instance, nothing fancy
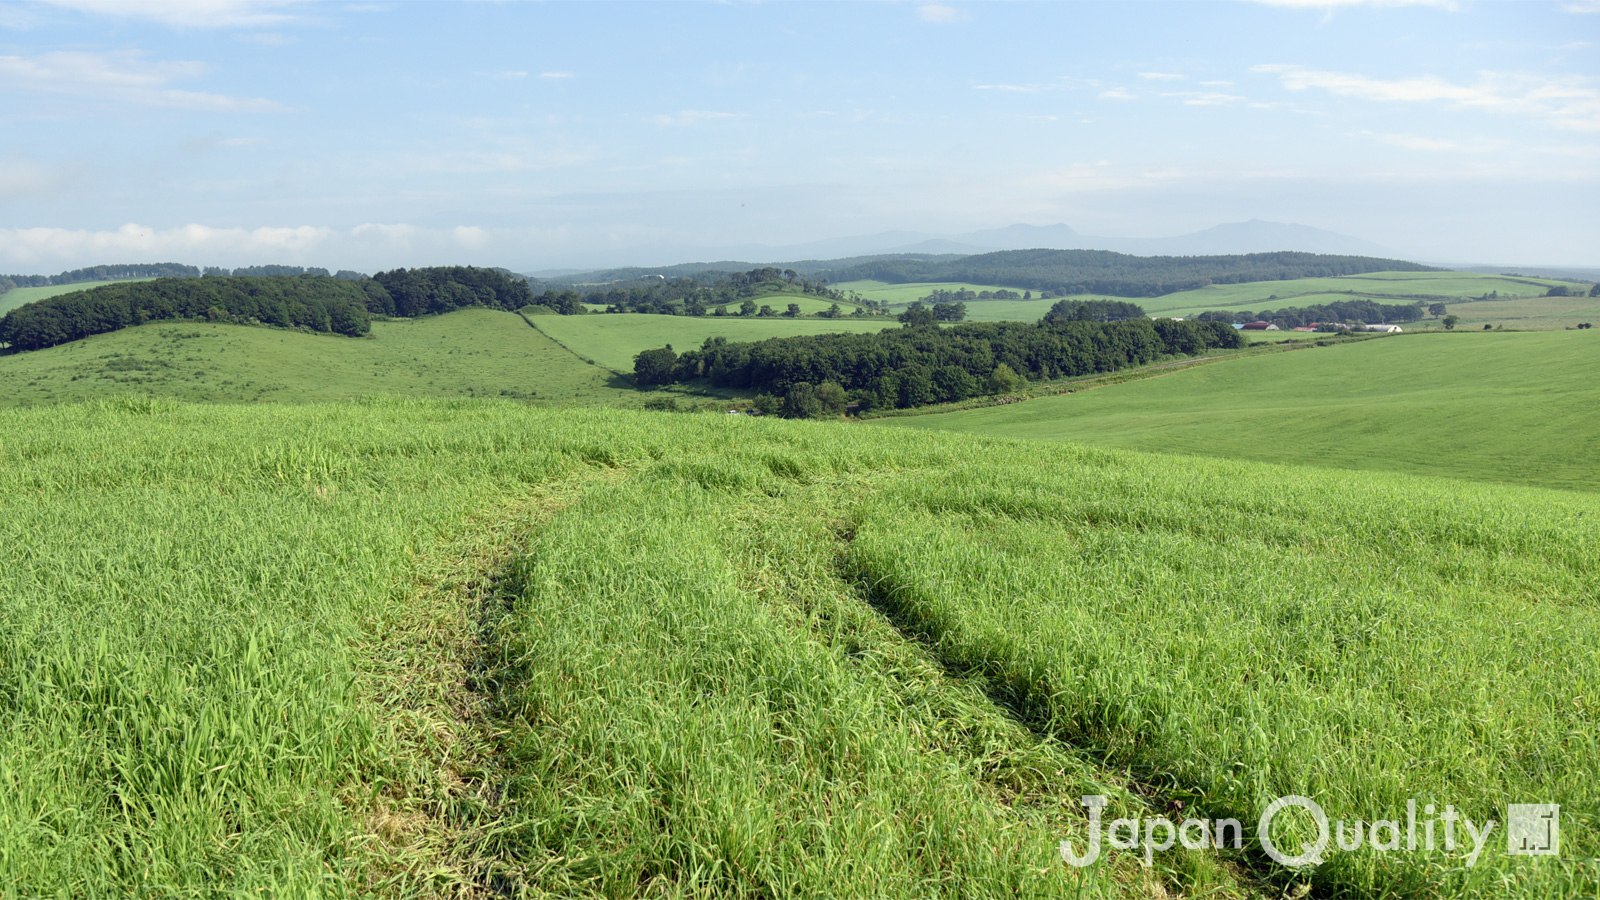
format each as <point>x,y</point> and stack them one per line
<point>1259,326</point>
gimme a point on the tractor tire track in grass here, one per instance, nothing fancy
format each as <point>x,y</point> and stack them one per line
<point>430,823</point>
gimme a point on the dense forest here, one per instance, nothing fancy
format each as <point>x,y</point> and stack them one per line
<point>313,302</point>
<point>923,363</point>
<point>1119,274</point>
<point>440,289</point>
<point>316,302</point>
<point>1344,311</point>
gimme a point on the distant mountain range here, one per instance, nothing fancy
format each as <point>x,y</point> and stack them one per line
<point>1254,236</point>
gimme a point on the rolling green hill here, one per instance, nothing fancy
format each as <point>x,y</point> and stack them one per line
<point>471,352</point>
<point>1511,407</point>
<point>471,648</point>
<point>613,340</point>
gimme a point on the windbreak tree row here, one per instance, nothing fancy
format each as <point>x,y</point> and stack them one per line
<point>1367,311</point>
<point>917,366</point>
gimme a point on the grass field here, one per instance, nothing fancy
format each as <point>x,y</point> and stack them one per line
<point>901,294</point>
<point>1511,407</point>
<point>613,340</point>
<point>429,648</point>
<point>1527,308</point>
<point>14,298</point>
<point>469,353</point>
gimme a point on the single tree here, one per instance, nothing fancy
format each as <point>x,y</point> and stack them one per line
<point>1450,322</point>
<point>793,310</point>
<point>1436,310</point>
<point>747,308</point>
<point>655,366</point>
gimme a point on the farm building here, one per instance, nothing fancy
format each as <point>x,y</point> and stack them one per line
<point>1385,329</point>
<point>1260,326</point>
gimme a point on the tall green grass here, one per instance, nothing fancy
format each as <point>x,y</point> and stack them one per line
<point>706,656</point>
<point>1231,637</point>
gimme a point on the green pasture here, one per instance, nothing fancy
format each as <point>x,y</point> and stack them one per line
<point>1383,287</point>
<point>614,340</point>
<point>1510,407</point>
<point>18,296</point>
<point>468,353</point>
<point>422,648</point>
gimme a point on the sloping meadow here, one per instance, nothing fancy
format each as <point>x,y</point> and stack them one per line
<point>757,658</point>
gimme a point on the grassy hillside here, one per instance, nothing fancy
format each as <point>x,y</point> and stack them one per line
<point>422,648</point>
<point>613,340</point>
<point>472,352</point>
<point>14,298</point>
<point>1498,407</point>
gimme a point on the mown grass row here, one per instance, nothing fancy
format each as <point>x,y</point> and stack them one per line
<point>1231,640</point>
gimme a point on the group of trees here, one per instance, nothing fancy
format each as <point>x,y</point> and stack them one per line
<point>313,302</point>
<point>704,293</point>
<point>117,272</point>
<point>1343,311</point>
<point>923,364</point>
<point>1071,272</point>
<point>964,295</point>
<point>440,289</point>
<point>1562,290</point>
<point>318,302</point>
<point>126,271</point>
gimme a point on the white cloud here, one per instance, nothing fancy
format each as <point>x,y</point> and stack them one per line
<point>1203,98</point>
<point>40,249</point>
<point>1582,6</point>
<point>939,13</point>
<point>1436,145</point>
<point>694,117</point>
<point>1162,76</point>
<point>1117,94</point>
<point>189,13</point>
<point>122,76</point>
<point>1450,5</point>
<point>267,39</point>
<point>555,75</point>
<point>1568,101</point>
<point>1216,84</point>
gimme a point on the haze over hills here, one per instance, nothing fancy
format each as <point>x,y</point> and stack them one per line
<point>1254,236</point>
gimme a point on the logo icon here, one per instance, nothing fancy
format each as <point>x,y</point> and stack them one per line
<point>1533,829</point>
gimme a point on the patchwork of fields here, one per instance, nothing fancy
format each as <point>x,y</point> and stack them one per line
<point>420,648</point>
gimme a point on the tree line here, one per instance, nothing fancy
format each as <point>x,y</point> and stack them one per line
<point>1342,311</point>
<point>319,302</point>
<point>922,364</point>
<point>117,272</point>
<point>700,294</point>
<point>312,302</point>
<point>1119,274</point>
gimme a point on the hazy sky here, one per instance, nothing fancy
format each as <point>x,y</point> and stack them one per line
<point>531,135</point>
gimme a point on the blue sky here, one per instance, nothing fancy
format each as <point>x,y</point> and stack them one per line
<point>367,135</point>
